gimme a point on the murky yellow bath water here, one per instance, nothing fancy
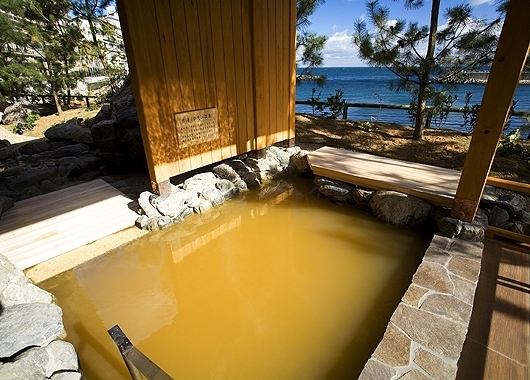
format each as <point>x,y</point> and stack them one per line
<point>279,286</point>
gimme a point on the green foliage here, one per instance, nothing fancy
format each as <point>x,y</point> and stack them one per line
<point>309,45</point>
<point>18,74</point>
<point>441,107</point>
<point>510,145</point>
<point>28,124</point>
<point>53,44</point>
<point>93,107</point>
<point>461,44</point>
<point>470,113</point>
<point>314,101</point>
<point>105,44</point>
<point>335,104</point>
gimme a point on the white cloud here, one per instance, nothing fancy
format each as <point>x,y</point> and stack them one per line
<point>340,51</point>
<point>479,2</point>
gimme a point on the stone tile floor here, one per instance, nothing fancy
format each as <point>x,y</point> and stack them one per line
<point>465,316</point>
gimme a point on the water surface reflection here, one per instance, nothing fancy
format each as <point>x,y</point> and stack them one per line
<point>279,284</point>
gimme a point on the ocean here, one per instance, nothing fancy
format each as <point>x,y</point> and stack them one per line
<point>371,85</point>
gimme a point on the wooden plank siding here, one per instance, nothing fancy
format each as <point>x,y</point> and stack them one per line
<point>234,55</point>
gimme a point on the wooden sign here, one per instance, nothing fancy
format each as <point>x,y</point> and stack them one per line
<point>195,127</point>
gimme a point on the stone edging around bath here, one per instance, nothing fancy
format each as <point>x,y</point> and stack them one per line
<point>32,331</point>
<point>426,333</point>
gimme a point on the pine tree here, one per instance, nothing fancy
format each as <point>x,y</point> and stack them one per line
<point>54,42</point>
<point>18,75</point>
<point>104,41</point>
<point>309,45</point>
<point>462,44</point>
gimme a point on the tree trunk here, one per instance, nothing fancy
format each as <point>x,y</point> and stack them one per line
<point>426,72</point>
<point>57,103</point>
<point>420,113</point>
<point>99,51</point>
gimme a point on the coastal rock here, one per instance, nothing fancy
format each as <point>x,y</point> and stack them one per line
<point>280,155</point>
<point>5,204</point>
<point>104,135</point>
<point>246,173</point>
<point>27,325</point>
<point>227,188</point>
<point>225,171</point>
<point>399,209</point>
<point>31,177</point>
<point>63,131</point>
<point>29,365</point>
<point>362,197</point>
<point>449,227</point>
<point>104,113</point>
<point>299,162</point>
<point>70,150</point>
<point>7,152</point>
<point>171,204</point>
<point>18,112</point>
<point>15,288</point>
<point>498,216</point>
<point>515,200</point>
<point>144,200</point>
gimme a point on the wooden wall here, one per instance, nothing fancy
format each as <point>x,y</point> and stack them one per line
<point>236,56</point>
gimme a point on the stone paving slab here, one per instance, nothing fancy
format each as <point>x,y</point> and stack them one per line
<point>426,333</point>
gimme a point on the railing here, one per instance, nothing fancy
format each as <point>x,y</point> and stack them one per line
<point>389,106</point>
<point>65,99</point>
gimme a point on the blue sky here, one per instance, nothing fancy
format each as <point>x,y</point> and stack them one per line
<point>335,19</point>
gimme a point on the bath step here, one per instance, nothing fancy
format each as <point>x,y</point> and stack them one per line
<point>37,229</point>
<point>434,184</point>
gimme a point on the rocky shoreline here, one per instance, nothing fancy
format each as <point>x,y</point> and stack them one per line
<point>31,331</point>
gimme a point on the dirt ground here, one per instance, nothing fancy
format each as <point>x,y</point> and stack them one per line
<point>443,148</point>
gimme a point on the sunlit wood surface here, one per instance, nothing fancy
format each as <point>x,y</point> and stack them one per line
<point>43,227</point>
<point>497,345</point>
<point>434,184</point>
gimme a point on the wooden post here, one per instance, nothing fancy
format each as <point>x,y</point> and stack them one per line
<point>345,112</point>
<point>504,76</point>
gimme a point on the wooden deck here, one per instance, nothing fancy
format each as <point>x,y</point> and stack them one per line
<point>434,184</point>
<point>497,345</point>
<point>43,227</point>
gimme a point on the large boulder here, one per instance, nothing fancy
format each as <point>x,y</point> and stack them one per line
<point>116,131</point>
<point>18,112</point>
<point>123,108</point>
<point>399,209</point>
<point>15,288</point>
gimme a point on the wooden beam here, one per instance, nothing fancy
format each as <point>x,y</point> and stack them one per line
<point>504,76</point>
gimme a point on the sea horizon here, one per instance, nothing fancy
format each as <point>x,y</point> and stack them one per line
<point>366,84</point>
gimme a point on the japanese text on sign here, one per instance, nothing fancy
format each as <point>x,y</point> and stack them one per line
<point>195,127</point>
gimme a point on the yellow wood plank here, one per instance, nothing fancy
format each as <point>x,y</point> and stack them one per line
<point>509,185</point>
<point>226,21</point>
<point>241,64</point>
<point>150,89</point>
<point>219,72</point>
<point>70,218</point>
<point>168,51</point>
<point>437,185</point>
<point>271,31</point>
<point>496,231</point>
<point>247,76</point>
